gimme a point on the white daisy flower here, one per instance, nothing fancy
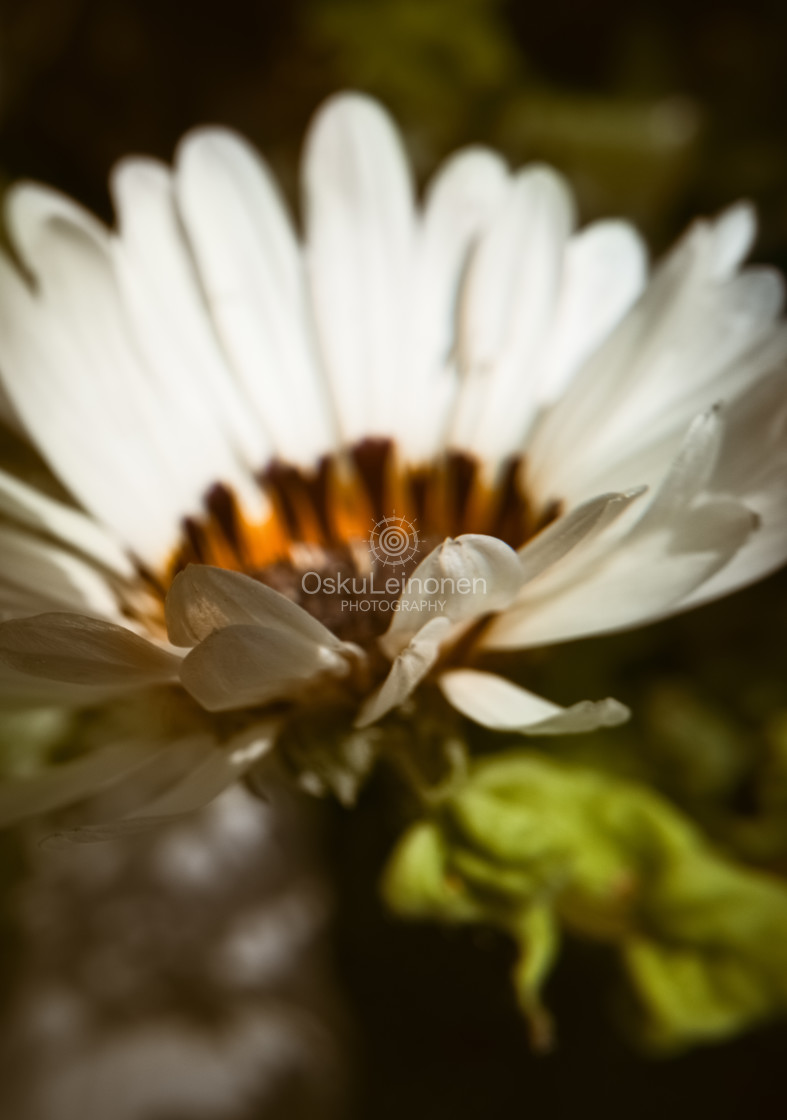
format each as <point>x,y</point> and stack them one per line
<point>550,440</point>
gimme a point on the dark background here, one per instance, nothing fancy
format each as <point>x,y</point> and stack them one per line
<point>657,111</point>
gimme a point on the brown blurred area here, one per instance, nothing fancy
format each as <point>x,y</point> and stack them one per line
<point>657,111</point>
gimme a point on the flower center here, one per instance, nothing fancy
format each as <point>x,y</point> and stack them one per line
<point>355,526</point>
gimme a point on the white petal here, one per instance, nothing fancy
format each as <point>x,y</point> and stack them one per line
<point>579,525</point>
<point>460,580</point>
<point>52,578</point>
<point>681,540</point>
<point>507,305</point>
<point>755,431</point>
<point>640,580</point>
<point>65,655</point>
<point>515,270</point>
<point>31,208</point>
<point>752,465</point>
<point>63,784</point>
<point>73,372</point>
<point>203,599</point>
<point>28,506</point>
<point>691,340</point>
<point>44,373</point>
<point>359,215</point>
<point>721,355</point>
<point>460,202</point>
<point>172,324</point>
<point>605,272</point>
<point>734,234</point>
<point>762,553</point>
<point>125,807</point>
<point>408,670</point>
<point>243,666</point>
<point>497,703</point>
<point>20,690</point>
<point>689,474</point>
<point>82,650</point>
<point>222,765</point>
<point>162,780</point>
<point>252,274</point>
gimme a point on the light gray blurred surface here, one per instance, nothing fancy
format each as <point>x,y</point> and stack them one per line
<point>176,974</point>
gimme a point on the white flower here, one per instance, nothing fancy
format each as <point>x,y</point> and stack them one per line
<point>581,446</point>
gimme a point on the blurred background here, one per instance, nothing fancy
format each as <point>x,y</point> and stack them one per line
<point>657,112</point>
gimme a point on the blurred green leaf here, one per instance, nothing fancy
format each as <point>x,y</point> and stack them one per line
<point>529,845</point>
<point>433,62</point>
<point>29,737</point>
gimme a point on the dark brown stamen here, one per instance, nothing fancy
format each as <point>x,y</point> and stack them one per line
<point>373,457</point>
<point>196,539</point>
<point>220,503</point>
<point>461,474</point>
<point>512,518</point>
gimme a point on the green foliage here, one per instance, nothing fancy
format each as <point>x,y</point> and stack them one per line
<point>29,737</point>
<point>430,60</point>
<point>531,845</point>
<point>451,72</point>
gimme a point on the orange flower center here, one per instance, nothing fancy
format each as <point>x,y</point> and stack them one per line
<point>322,522</point>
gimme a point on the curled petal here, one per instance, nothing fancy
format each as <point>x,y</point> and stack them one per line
<point>460,580</point>
<point>497,703</point>
<point>407,672</point>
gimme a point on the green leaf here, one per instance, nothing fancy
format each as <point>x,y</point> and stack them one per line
<point>530,845</point>
<point>538,937</point>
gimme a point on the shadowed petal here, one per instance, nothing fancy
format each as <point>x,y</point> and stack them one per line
<point>245,666</point>
<point>407,671</point>
<point>97,657</point>
<point>203,599</point>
